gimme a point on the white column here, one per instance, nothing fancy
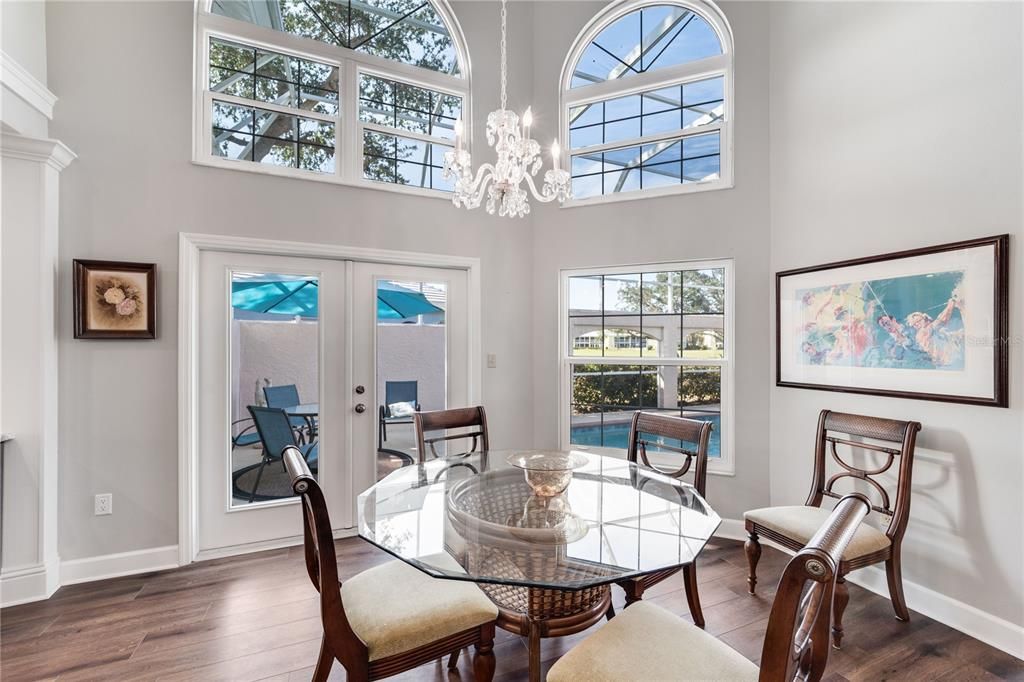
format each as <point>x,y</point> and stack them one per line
<point>29,182</point>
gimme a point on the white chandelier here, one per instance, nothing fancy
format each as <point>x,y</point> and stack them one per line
<point>518,161</point>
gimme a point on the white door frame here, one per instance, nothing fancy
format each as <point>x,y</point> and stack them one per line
<point>189,247</point>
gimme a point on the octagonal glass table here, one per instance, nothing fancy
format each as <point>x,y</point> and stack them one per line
<point>547,562</point>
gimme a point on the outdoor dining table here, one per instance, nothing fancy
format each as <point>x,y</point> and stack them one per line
<point>546,561</point>
<point>307,411</point>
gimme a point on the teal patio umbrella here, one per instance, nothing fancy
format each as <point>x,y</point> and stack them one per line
<point>300,297</point>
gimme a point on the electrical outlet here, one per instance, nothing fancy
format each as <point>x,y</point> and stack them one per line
<point>103,504</point>
<point>492,360</point>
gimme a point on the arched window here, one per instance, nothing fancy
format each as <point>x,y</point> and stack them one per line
<point>646,101</point>
<point>351,91</point>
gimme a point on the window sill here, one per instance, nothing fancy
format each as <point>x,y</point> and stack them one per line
<point>331,178</point>
<point>708,186</point>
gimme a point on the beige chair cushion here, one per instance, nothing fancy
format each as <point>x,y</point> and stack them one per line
<point>395,607</point>
<point>646,642</point>
<point>801,523</point>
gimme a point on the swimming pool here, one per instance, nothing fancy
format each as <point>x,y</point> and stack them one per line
<point>617,435</point>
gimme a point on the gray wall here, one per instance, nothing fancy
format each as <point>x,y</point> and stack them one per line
<point>720,224</point>
<point>133,189</point>
<point>895,126</point>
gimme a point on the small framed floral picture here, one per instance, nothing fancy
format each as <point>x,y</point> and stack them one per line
<point>114,300</point>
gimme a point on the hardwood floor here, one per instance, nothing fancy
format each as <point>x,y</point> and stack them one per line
<point>256,618</point>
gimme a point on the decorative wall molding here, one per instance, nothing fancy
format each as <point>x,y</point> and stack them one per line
<point>117,565</point>
<point>28,583</point>
<point>972,621</point>
<point>53,153</point>
<point>18,80</point>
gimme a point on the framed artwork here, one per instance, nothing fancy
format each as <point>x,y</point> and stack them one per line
<point>928,323</point>
<point>114,300</point>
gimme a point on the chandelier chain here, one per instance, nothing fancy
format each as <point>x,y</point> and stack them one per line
<point>504,58</point>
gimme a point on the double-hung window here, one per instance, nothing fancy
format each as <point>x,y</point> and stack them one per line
<point>646,101</point>
<point>336,90</point>
<point>668,349</point>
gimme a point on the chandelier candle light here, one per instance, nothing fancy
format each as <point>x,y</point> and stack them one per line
<point>518,161</point>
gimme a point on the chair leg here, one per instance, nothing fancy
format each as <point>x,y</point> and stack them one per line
<point>839,602</point>
<point>323,663</point>
<point>453,660</point>
<point>483,659</point>
<point>692,596</point>
<point>752,548</point>
<point>256,485</point>
<point>610,613</point>
<point>895,577</point>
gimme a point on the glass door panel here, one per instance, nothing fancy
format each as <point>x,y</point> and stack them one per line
<point>275,381</point>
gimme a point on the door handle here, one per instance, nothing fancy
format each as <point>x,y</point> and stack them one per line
<point>360,408</point>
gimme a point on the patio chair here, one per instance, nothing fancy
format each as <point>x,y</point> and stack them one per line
<point>276,433</point>
<point>287,395</point>
<point>246,435</point>
<point>648,642</point>
<point>396,392</point>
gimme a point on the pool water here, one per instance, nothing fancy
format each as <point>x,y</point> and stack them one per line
<point>617,436</point>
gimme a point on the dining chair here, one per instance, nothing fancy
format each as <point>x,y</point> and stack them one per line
<point>457,418</point>
<point>396,392</point>
<point>650,430</point>
<point>647,642</point>
<point>791,526</point>
<point>287,395</point>
<point>276,433</point>
<point>390,618</point>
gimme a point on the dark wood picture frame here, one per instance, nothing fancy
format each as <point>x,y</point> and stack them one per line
<point>1000,316</point>
<point>80,278</point>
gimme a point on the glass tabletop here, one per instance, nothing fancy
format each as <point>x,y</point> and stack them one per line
<point>475,518</point>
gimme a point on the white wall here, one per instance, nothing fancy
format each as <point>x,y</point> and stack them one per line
<point>896,126</point>
<point>413,352</point>
<point>721,224</point>
<point>284,352</point>
<point>23,34</point>
<point>136,189</point>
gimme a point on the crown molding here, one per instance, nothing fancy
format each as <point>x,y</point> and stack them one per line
<point>26,86</point>
<point>53,153</point>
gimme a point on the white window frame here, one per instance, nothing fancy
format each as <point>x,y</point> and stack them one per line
<point>724,465</point>
<point>710,67</point>
<point>348,131</point>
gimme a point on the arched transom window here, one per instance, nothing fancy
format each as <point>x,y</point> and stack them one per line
<point>362,92</point>
<point>647,99</point>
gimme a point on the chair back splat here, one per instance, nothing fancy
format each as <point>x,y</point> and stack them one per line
<point>647,424</point>
<point>901,433</point>
<point>457,418</point>
<point>797,643</point>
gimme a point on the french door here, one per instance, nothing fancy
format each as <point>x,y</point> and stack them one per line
<point>330,355</point>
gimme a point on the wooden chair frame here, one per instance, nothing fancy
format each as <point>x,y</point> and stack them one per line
<point>687,431</point>
<point>457,418</point>
<point>796,644</point>
<point>340,642</point>
<point>898,510</point>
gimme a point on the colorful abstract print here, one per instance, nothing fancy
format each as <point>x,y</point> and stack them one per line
<point>913,322</point>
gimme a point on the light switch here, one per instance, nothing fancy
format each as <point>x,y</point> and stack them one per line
<point>492,360</point>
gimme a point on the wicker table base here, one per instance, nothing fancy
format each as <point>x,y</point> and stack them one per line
<point>537,613</point>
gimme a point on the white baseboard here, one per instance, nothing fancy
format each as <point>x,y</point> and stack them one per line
<point>117,565</point>
<point>992,630</point>
<point>250,547</point>
<point>27,584</point>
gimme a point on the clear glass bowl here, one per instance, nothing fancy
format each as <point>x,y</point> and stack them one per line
<point>548,473</point>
